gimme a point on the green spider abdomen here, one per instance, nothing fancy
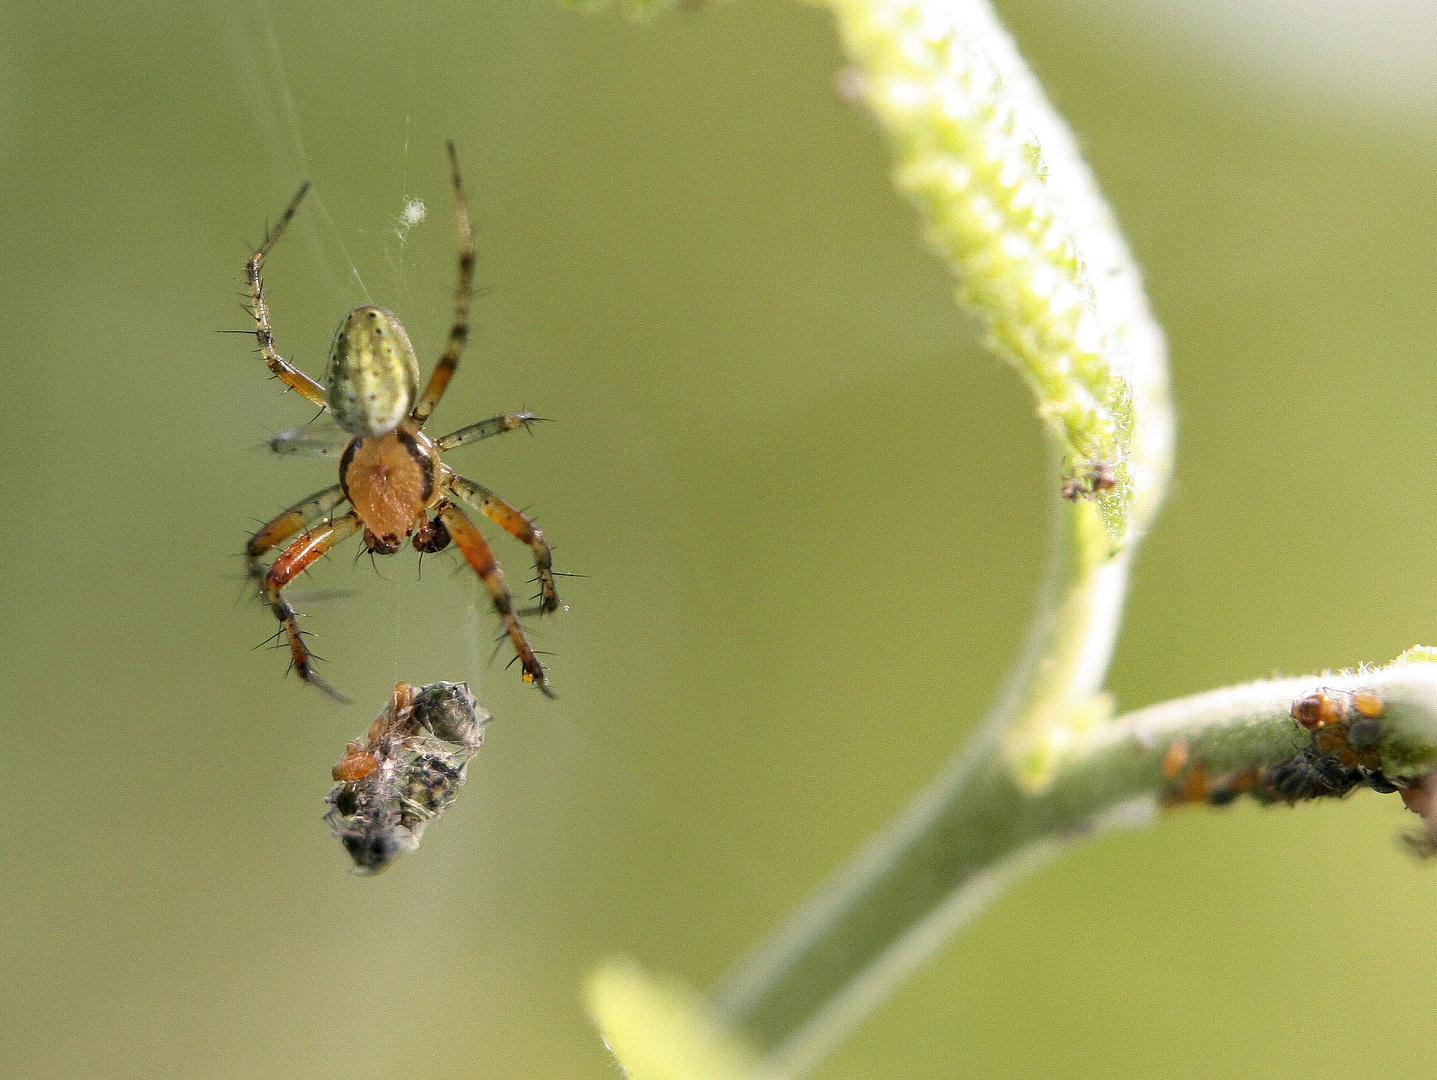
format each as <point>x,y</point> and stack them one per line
<point>373,375</point>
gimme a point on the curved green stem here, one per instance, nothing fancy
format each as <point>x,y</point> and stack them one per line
<point>976,829</point>
<point>1010,205</point>
<point>1008,202</point>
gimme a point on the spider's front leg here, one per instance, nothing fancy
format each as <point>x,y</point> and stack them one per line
<point>514,522</point>
<point>471,542</point>
<point>300,555</point>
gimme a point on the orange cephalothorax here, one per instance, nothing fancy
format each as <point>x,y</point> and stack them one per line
<point>391,479</point>
<point>390,470</point>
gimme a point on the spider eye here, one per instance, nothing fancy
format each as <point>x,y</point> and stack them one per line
<point>373,375</point>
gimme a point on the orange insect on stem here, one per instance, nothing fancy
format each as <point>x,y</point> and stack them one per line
<point>361,757</point>
<point>1321,708</point>
<point>1368,703</point>
<point>1175,759</point>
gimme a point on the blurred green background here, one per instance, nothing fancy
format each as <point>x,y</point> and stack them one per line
<point>808,505</point>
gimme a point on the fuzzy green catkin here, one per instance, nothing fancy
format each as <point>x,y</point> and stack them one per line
<point>1009,204</point>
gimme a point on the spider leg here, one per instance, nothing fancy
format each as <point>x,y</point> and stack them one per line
<point>476,550</point>
<point>459,331</point>
<point>495,425</point>
<point>287,524</point>
<point>286,372</point>
<point>301,554</point>
<point>302,442</point>
<point>514,522</point>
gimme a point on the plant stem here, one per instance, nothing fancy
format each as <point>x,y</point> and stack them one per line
<point>1007,201</point>
<point>935,864</point>
<point>1009,204</point>
<point>975,830</point>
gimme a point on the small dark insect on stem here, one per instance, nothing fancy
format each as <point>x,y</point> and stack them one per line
<point>1098,477</point>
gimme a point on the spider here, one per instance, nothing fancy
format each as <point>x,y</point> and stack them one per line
<point>390,471</point>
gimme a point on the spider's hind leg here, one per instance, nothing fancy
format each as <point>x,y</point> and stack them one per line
<point>517,524</point>
<point>477,553</point>
<point>308,442</point>
<point>296,558</point>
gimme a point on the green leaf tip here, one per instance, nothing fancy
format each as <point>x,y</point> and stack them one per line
<point>1009,204</point>
<point>659,1029</point>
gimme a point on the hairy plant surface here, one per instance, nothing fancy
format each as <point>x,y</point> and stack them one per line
<point>1007,202</point>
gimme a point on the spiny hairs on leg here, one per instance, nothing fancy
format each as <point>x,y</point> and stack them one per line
<point>518,525</point>
<point>487,429</point>
<point>278,365</point>
<point>301,554</point>
<point>459,329</point>
<point>303,515</point>
<point>477,553</point>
